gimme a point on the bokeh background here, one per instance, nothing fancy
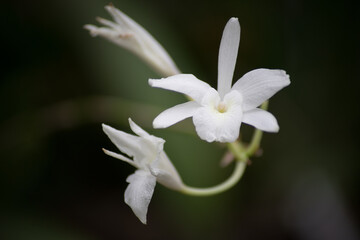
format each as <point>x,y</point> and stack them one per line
<point>58,85</point>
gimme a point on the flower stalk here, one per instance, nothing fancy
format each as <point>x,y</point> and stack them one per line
<point>227,184</point>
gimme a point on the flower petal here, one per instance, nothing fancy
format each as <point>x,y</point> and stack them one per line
<point>137,129</point>
<point>121,157</point>
<point>212,125</point>
<point>125,142</point>
<point>143,149</point>
<point>175,114</point>
<point>165,172</point>
<point>155,53</point>
<point>139,192</point>
<point>227,55</point>
<point>261,119</point>
<point>120,18</point>
<point>183,83</point>
<point>150,144</point>
<point>259,85</point>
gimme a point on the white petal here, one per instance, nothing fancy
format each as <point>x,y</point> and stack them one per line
<point>259,85</point>
<point>227,55</point>
<point>130,35</point>
<point>183,83</point>
<point>175,114</point>
<point>121,157</point>
<point>125,142</point>
<point>166,173</point>
<point>143,149</point>
<point>261,119</point>
<point>117,36</point>
<point>110,24</point>
<point>119,17</point>
<point>137,129</point>
<point>150,145</point>
<point>155,54</point>
<point>139,193</point>
<point>211,125</point>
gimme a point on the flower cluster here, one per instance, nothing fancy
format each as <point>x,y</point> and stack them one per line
<point>217,114</point>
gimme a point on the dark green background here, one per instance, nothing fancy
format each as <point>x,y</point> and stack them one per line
<point>58,85</point>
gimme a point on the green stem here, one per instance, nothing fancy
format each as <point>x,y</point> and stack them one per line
<point>230,182</point>
<point>239,152</point>
<point>255,143</point>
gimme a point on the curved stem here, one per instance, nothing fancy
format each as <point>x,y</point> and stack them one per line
<point>230,182</point>
<point>239,152</point>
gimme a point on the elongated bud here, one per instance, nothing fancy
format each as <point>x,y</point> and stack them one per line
<point>128,34</point>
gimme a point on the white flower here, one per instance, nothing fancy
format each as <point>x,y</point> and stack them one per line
<point>150,160</point>
<point>217,115</point>
<point>126,33</point>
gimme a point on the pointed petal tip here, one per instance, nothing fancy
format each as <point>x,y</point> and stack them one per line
<point>107,129</point>
<point>88,27</point>
<point>109,7</point>
<point>92,29</point>
<point>133,125</point>
<point>104,126</point>
<point>130,121</point>
<point>100,19</point>
<point>105,151</point>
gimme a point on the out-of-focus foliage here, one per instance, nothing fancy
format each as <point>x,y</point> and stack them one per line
<point>58,85</point>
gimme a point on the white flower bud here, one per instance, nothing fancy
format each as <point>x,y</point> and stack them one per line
<point>128,34</point>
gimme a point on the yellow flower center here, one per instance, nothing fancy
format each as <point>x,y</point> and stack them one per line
<point>222,107</point>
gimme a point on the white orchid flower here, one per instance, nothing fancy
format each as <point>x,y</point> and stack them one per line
<point>151,162</point>
<point>128,34</point>
<point>217,115</point>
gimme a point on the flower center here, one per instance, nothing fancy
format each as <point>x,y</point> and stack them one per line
<point>221,107</point>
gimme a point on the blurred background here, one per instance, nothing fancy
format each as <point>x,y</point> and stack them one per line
<point>58,84</point>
